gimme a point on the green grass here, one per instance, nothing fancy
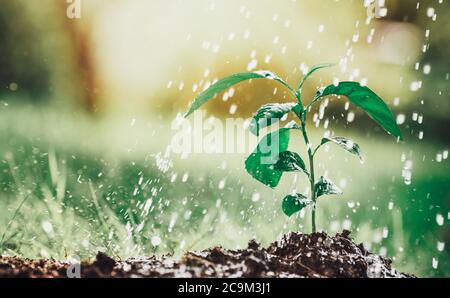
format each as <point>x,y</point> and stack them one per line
<point>72,185</point>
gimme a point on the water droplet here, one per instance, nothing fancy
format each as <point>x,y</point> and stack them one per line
<point>350,117</point>
<point>390,205</point>
<point>275,17</point>
<point>155,240</point>
<point>47,227</point>
<point>396,101</point>
<point>435,263</point>
<point>206,45</point>
<point>287,23</point>
<point>187,214</point>
<point>267,74</point>
<point>416,85</point>
<point>221,184</point>
<point>233,109</point>
<point>185,177</point>
<point>255,197</point>
<point>400,119</point>
<point>421,135</point>
<point>252,65</point>
<point>276,39</point>
<point>420,119</point>
<point>363,82</point>
<point>407,171</point>
<point>346,105</point>
<point>439,219</point>
<point>385,232</point>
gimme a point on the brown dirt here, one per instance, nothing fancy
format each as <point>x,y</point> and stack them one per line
<point>296,255</point>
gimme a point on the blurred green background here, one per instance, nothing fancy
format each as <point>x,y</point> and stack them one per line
<point>86,107</point>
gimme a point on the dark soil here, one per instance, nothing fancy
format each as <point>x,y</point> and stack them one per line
<point>296,255</point>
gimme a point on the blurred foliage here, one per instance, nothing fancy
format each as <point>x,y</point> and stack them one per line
<point>118,57</point>
<point>22,53</point>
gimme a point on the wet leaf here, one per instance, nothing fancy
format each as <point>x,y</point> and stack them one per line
<point>290,162</point>
<point>345,143</point>
<point>269,114</point>
<point>260,164</point>
<point>229,81</point>
<point>366,99</point>
<point>294,203</point>
<point>326,187</point>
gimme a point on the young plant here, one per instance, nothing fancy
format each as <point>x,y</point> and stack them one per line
<point>267,166</point>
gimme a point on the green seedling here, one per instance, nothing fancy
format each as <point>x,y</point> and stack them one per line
<point>267,167</point>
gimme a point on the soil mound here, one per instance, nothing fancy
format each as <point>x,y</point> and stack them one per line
<point>295,255</point>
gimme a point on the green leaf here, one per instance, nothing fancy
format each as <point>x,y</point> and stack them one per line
<point>260,163</point>
<point>298,110</point>
<point>366,99</point>
<point>313,70</point>
<point>269,114</point>
<point>290,162</point>
<point>294,203</point>
<point>345,143</point>
<point>326,187</point>
<point>229,81</point>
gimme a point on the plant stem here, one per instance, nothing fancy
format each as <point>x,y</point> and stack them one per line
<point>302,117</point>
<point>311,172</point>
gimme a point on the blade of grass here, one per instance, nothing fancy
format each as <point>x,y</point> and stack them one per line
<point>12,219</point>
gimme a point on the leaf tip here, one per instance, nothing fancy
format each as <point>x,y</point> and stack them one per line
<point>330,64</point>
